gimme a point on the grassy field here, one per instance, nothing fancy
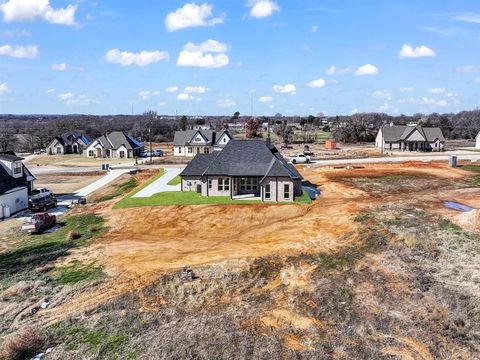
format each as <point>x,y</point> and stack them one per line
<point>119,187</point>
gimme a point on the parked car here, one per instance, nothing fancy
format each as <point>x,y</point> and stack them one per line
<point>41,200</point>
<point>153,153</point>
<point>312,192</point>
<point>39,222</point>
<point>300,159</point>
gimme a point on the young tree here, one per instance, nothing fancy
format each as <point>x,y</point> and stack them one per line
<point>251,127</point>
<point>183,123</point>
<point>285,132</point>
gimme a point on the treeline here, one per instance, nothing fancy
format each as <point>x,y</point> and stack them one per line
<point>31,132</point>
<point>364,127</point>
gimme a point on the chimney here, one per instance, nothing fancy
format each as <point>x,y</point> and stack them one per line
<point>268,142</point>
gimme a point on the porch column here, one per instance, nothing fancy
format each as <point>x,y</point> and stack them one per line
<point>232,179</point>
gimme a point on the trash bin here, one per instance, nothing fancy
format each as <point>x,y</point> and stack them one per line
<point>453,161</point>
<point>107,166</point>
<point>103,166</point>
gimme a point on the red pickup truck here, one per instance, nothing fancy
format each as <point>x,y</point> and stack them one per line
<point>39,222</point>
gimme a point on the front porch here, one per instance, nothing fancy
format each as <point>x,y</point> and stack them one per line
<point>246,188</point>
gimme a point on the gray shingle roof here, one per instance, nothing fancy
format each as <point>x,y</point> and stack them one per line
<point>182,138</point>
<point>8,182</point>
<point>116,139</point>
<point>397,133</point>
<point>242,158</point>
<point>10,156</point>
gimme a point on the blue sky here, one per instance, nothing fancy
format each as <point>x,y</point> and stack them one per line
<point>216,57</point>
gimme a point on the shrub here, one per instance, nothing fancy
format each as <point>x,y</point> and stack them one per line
<point>73,235</point>
<point>92,229</point>
<point>22,345</point>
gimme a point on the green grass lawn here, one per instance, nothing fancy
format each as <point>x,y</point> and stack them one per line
<point>473,168</point>
<point>175,181</point>
<point>191,198</point>
<point>172,198</point>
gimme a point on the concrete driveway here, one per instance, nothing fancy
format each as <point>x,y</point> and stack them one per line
<point>87,190</point>
<point>161,185</point>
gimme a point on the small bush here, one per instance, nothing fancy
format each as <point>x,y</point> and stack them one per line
<point>22,345</point>
<point>73,235</point>
<point>92,229</point>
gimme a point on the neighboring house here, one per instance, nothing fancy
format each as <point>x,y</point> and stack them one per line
<point>68,143</point>
<point>477,141</point>
<point>16,183</point>
<point>243,169</point>
<point>410,138</point>
<point>116,145</point>
<point>192,142</point>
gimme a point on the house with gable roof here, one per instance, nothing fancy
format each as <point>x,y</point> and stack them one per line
<point>68,143</point>
<point>115,145</point>
<point>243,169</point>
<point>16,183</point>
<point>192,142</point>
<point>409,138</point>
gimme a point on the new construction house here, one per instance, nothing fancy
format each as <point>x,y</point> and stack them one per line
<point>244,169</point>
<point>410,138</point>
<point>68,143</point>
<point>192,142</point>
<point>117,145</point>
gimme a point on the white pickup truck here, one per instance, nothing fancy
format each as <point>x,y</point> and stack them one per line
<point>300,159</point>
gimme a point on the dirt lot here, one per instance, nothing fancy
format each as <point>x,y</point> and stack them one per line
<point>73,160</point>
<point>377,267</point>
<point>66,183</point>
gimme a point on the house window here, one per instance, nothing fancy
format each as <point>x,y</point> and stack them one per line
<point>91,153</point>
<point>248,184</point>
<point>122,154</point>
<point>210,184</point>
<point>226,184</point>
<point>59,150</point>
<point>286,191</point>
<point>206,150</point>
<point>179,149</point>
<point>17,168</point>
<point>267,191</point>
<point>220,184</point>
<point>190,150</point>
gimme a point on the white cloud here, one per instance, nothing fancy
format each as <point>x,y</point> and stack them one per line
<point>452,95</point>
<point>209,45</point>
<point>171,89</point>
<point>354,111</point>
<point>162,103</point>
<point>437,90</point>
<point>50,91</point>
<point>262,8</point>
<point>59,67</point>
<point>314,28</point>
<point>69,98</point>
<point>226,103</point>
<point>318,83</point>
<point>334,70</point>
<point>465,69</point>
<point>183,96</point>
<point>285,89</point>
<point>30,10</point>
<point>408,52</point>
<point>191,15</point>
<point>209,54</point>
<point>66,96</point>
<point>407,89</point>
<point>265,99</point>
<point>469,17</point>
<point>196,90</point>
<point>142,58</point>
<point>476,80</point>
<point>4,89</point>
<point>433,102</point>
<point>382,94</point>
<point>15,33</point>
<point>19,52</point>
<point>144,95</point>
<point>367,69</point>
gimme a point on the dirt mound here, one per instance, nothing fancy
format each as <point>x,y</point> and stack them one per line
<point>469,220</point>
